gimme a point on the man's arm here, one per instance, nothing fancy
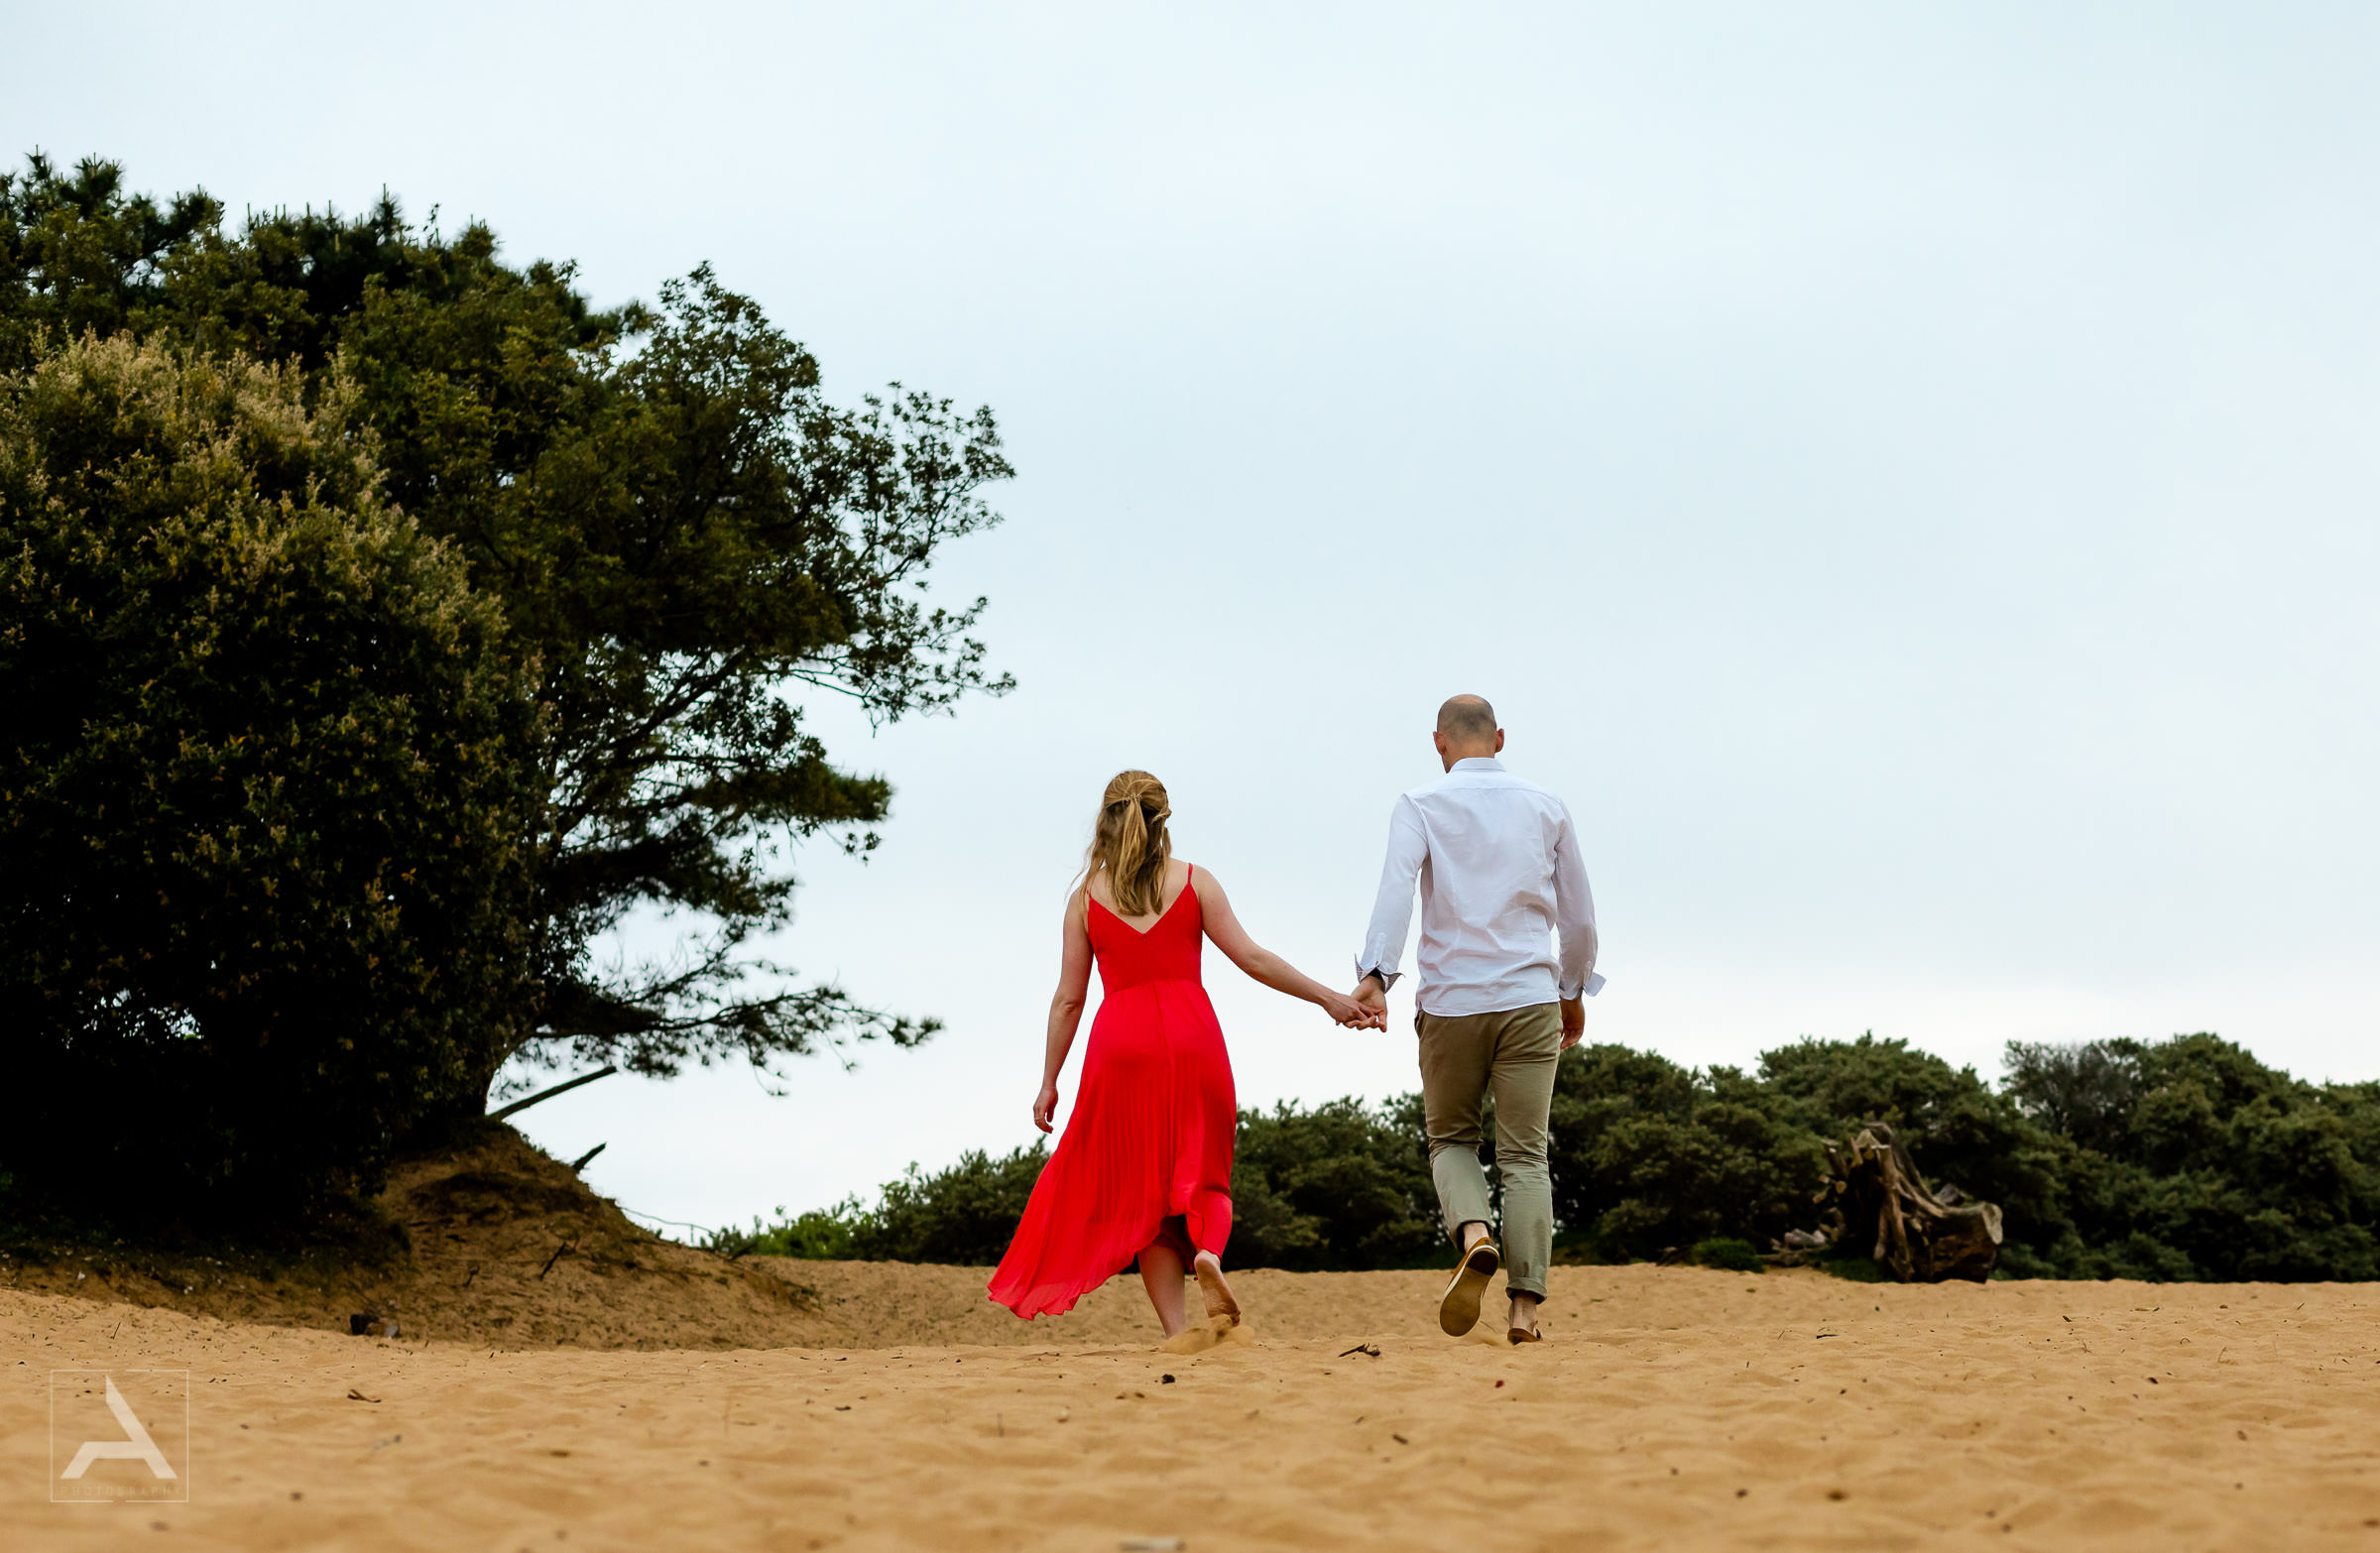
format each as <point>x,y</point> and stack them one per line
<point>1574,916</point>
<point>1393,910</point>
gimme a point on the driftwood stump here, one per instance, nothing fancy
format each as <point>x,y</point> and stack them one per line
<point>1877,1196</point>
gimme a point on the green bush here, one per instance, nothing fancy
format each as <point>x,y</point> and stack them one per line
<point>1727,1253</point>
<point>963,1215</point>
<point>1339,1187</point>
<point>264,780</point>
<point>2188,1159</point>
<point>2184,1159</point>
<point>1856,1269</point>
<point>960,1217</point>
<point>1649,1157</point>
<point>821,1234</point>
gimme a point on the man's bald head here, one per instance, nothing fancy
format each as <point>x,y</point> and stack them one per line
<point>1467,720</point>
<point>1466,730</point>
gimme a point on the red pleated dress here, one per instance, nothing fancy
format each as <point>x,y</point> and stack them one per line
<point>1150,1139</point>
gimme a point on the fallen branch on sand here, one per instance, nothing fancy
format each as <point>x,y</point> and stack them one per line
<point>1876,1195</point>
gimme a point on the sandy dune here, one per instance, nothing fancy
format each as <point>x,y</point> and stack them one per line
<point>1671,1408</point>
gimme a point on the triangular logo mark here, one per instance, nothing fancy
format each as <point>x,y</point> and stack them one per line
<point>137,1446</point>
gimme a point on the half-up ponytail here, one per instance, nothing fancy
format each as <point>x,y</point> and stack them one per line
<point>1132,844</point>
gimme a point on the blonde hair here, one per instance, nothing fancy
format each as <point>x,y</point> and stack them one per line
<point>1130,843</point>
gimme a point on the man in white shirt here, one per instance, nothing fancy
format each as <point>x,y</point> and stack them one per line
<point>1497,860</point>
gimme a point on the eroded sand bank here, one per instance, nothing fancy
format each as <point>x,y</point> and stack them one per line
<point>1671,1408</point>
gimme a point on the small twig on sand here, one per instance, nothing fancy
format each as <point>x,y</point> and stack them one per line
<point>567,1246</point>
<point>1367,1348</point>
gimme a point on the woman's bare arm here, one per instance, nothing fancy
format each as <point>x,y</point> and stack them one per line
<point>1066,1008</point>
<point>1261,964</point>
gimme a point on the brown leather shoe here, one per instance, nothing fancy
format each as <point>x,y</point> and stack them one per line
<point>1459,1311</point>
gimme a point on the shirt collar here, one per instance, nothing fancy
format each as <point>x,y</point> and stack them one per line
<point>1477,763</point>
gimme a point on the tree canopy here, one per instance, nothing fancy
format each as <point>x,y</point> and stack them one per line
<point>266,782</point>
<point>682,534</point>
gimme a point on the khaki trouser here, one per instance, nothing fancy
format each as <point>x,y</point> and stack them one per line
<point>1463,1056</point>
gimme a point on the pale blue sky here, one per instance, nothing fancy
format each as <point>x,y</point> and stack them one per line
<point>1906,474</point>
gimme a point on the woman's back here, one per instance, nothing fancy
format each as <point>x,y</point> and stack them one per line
<point>1166,948</point>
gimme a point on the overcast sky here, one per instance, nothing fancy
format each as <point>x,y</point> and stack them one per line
<point>1906,475</point>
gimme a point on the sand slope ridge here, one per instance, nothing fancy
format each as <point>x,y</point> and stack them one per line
<point>507,1248</point>
<point>1671,1407</point>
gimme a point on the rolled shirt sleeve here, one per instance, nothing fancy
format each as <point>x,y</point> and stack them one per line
<point>1393,911</point>
<point>1574,916</point>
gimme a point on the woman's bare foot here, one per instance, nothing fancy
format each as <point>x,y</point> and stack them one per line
<point>1223,1311</point>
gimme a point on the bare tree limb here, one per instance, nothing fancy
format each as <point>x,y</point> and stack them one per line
<point>605,1071</point>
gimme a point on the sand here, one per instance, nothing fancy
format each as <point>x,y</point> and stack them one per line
<point>1668,1408</point>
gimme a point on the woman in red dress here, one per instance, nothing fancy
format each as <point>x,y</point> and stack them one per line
<point>1144,1172</point>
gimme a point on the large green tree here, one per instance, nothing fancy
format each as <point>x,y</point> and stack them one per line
<point>685,535</point>
<point>266,778</point>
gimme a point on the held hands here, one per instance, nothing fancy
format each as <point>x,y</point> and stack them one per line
<point>1365,1009</point>
<point>1353,1013</point>
<point>1045,1107</point>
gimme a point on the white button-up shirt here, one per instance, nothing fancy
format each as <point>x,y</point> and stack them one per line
<point>1500,876</point>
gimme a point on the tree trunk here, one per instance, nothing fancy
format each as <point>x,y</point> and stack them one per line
<point>1918,1235</point>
